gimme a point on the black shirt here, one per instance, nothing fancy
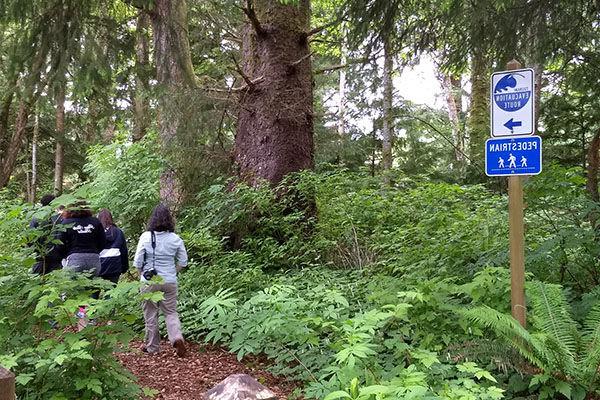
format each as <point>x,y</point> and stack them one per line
<point>82,235</point>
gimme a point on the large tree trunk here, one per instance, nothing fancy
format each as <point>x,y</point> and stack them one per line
<point>342,84</point>
<point>14,146</point>
<point>451,88</point>
<point>141,104</point>
<point>60,137</point>
<point>388,119</point>
<point>34,160</point>
<point>537,30</point>
<point>275,123</point>
<point>341,123</point>
<point>5,113</point>
<point>29,97</point>
<point>175,75</point>
<point>478,123</point>
<point>593,165</point>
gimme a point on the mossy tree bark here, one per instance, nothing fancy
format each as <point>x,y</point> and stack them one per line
<point>32,193</point>
<point>141,104</point>
<point>478,122</point>
<point>388,119</point>
<point>33,86</point>
<point>175,76</point>
<point>59,154</point>
<point>593,165</point>
<point>275,121</point>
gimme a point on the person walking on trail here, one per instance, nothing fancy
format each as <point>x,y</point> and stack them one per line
<point>82,240</point>
<point>49,257</point>
<point>114,259</point>
<point>161,252</point>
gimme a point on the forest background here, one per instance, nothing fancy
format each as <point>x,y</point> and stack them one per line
<point>341,230</point>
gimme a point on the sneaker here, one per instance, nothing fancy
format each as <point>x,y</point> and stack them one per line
<point>180,347</point>
<point>145,350</point>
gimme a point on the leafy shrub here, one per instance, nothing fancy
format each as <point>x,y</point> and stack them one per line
<point>271,228</point>
<point>125,179</point>
<point>315,334</point>
<point>38,336</point>
<point>41,345</point>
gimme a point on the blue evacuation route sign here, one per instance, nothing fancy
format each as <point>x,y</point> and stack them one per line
<point>517,155</point>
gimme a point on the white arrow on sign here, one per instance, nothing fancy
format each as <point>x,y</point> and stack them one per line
<point>512,103</point>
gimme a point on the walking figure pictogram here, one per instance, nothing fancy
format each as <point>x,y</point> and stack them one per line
<point>512,161</point>
<point>500,162</point>
<point>523,162</point>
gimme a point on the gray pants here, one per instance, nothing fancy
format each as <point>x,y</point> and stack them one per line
<point>168,306</point>
<point>83,262</point>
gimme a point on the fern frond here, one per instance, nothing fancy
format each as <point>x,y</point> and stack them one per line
<point>590,363</point>
<point>508,329</point>
<point>551,315</point>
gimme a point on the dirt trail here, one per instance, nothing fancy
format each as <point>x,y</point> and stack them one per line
<point>187,378</point>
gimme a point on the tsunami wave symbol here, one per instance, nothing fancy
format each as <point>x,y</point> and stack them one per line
<point>508,96</point>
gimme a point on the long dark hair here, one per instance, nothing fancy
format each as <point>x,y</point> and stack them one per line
<point>79,209</point>
<point>161,220</point>
<point>106,218</point>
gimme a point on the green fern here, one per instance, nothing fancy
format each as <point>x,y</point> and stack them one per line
<point>590,363</point>
<point>508,329</point>
<point>556,345</point>
<point>550,314</point>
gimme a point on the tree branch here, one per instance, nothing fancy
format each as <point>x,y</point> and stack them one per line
<point>329,69</point>
<point>241,72</point>
<point>318,29</point>
<point>247,86</point>
<point>251,14</point>
<point>302,59</point>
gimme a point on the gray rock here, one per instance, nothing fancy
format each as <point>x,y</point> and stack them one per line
<point>239,387</point>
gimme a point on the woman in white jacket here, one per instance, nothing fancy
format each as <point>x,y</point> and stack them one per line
<point>161,252</point>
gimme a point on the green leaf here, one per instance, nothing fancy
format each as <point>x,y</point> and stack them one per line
<point>339,394</point>
<point>23,379</point>
<point>564,388</point>
<point>375,389</point>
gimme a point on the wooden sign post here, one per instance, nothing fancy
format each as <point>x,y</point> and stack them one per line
<point>7,385</point>
<point>516,239</point>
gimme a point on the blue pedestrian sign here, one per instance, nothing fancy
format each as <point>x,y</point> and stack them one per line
<point>513,156</point>
<point>512,103</point>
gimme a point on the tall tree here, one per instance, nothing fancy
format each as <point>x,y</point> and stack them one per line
<point>33,86</point>
<point>452,89</point>
<point>32,194</point>
<point>478,126</point>
<point>141,103</point>
<point>342,82</point>
<point>388,97</point>
<point>275,121</point>
<point>175,76</point>
<point>59,154</point>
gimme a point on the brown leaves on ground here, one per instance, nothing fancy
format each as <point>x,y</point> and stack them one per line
<point>187,378</point>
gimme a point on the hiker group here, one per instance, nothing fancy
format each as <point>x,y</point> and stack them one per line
<point>75,240</point>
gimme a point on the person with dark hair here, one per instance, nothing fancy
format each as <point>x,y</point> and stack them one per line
<point>49,258</point>
<point>114,260</point>
<point>82,240</point>
<point>161,252</point>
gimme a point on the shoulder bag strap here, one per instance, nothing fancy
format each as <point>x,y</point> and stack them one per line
<point>153,242</point>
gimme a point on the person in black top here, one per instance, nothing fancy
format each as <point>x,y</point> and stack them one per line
<point>82,240</point>
<point>114,259</point>
<point>50,257</point>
